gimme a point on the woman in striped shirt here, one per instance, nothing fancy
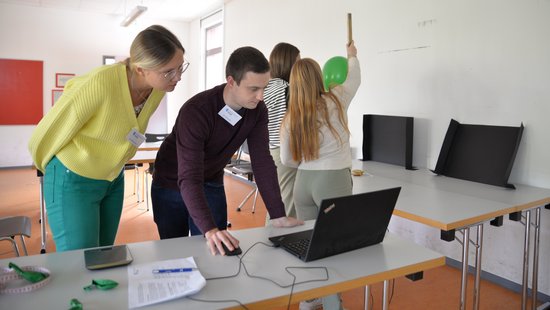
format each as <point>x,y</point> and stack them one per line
<point>281,59</point>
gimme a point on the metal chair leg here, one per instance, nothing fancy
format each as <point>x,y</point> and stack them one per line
<point>255,190</point>
<point>255,199</point>
<point>42,214</point>
<point>147,189</point>
<point>24,245</point>
<point>136,182</point>
<point>13,244</point>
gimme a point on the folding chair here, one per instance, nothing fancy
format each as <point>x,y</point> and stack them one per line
<point>243,169</point>
<point>15,226</point>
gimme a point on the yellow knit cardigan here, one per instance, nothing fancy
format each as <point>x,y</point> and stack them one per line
<point>87,127</point>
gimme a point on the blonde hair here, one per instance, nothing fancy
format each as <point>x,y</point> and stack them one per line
<point>152,48</point>
<point>308,111</point>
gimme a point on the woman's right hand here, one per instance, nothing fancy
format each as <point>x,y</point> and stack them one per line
<point>352,50</point>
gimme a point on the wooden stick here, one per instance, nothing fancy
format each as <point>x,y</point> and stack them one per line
<point>350,36</point>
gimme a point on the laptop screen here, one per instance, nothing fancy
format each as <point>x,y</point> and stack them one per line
<point>348,223</point>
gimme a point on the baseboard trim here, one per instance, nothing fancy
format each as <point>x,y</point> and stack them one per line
<point>513,286</point>
<point>16,167</point>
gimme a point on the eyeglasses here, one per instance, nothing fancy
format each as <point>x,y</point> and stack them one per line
<point>176,72</point>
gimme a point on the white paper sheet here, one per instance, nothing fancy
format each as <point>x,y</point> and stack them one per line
<point>145,287</point>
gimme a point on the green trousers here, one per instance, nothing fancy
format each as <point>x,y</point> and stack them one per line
<point>312,186</point>
<point>82,212</point>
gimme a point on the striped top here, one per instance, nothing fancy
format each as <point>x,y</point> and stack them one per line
<point>87,127</point>
<point>275,100</point>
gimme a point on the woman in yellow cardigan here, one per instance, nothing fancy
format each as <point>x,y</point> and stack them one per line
<point>95,127</point>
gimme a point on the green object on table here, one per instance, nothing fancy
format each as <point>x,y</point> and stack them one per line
<point>75,304</point>
<point>102,284</point>
<point>31,276</point>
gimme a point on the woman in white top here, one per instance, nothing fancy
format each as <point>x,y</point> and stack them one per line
<point>315,139</point>
<point>315,134</point>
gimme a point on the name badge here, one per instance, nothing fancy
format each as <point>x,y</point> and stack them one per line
<point>135,137</point>
<point>229,115</point>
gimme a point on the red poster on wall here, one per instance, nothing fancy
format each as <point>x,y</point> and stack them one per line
<point>21,92</point>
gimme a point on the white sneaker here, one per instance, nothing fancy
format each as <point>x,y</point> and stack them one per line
<point>312,304</point>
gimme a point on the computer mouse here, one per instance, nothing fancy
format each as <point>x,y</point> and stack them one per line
<point>236,251</point>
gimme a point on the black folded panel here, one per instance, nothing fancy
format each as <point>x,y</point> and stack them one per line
<point>388,139</point>
<point>479,153</point>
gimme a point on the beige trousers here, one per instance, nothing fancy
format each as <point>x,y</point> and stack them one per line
<point>286,176</point>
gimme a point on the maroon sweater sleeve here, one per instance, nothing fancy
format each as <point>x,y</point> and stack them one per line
<point>191,132</point>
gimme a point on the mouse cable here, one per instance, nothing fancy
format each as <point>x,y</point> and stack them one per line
<point>287,269</point>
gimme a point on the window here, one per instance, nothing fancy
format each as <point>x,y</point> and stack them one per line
<point>212,29</point>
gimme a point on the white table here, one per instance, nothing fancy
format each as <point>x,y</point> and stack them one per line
<point>150,146</point>
<point>393,258</point>
<point>451,204</point>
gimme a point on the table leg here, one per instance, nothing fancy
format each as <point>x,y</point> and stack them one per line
<point>385,300</point>
<point>536,245</point>
<point>42,217</point>
<point>136,176</point>
<point>524,284</point>
<point>367,296</point>
<point>479,248</point>
<point>464,280</point>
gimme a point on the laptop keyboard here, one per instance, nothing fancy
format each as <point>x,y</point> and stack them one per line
<point>298,247</point>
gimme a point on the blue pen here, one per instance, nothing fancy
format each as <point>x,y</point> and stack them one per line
<point>173,270</point>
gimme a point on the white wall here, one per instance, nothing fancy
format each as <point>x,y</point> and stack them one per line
<point>477,61</point>
<point>71,42</point>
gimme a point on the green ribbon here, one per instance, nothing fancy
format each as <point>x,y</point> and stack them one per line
<point>31,276</point>
<point>75,304</point>
<point>101,284</point>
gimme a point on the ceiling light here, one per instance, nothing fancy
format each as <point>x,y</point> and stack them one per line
<point>136,12</point>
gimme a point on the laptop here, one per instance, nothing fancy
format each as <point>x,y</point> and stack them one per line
<point>344,224</point>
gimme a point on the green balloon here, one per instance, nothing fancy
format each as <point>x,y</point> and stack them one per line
<point>335,71</point>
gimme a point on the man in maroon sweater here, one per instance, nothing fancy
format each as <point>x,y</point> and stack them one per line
<point>209,129</point>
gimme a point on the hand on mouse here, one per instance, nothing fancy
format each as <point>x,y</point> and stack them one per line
<point>215,239</point>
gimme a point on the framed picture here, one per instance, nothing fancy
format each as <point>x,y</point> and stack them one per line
<point>56,93</point>
<point>62,78</point>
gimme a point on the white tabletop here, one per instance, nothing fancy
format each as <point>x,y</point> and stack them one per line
<point>150,146</point>
<point>393,258</point>
<point>143,157</point>
<point>443,202</point>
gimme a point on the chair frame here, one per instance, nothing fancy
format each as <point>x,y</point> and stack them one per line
<point>242,169</point>
<point>12,226</point>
